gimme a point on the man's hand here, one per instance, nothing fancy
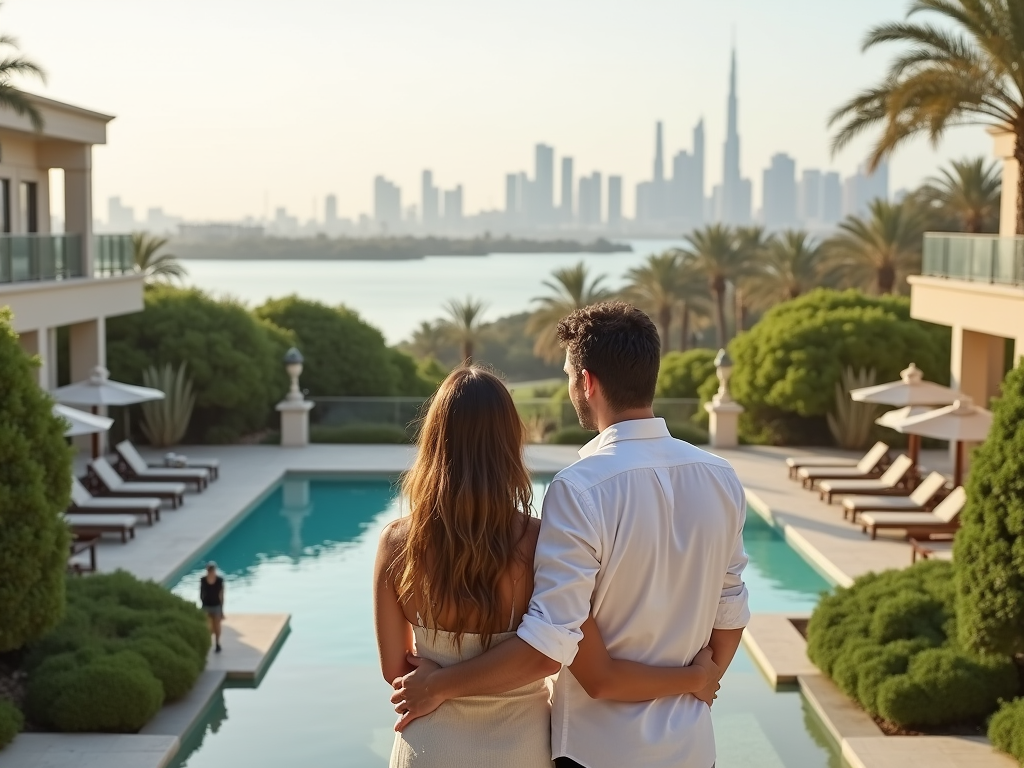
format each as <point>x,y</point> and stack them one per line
<point>414,697</point>
<point>705,660</point>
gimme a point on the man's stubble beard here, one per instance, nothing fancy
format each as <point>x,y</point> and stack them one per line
<point>584,412</point>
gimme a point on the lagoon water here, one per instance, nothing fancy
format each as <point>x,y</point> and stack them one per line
<point>396,296</point>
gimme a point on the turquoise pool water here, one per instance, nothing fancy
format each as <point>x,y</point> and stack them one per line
<point>308,550</point>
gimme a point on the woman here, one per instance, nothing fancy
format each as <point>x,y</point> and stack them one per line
<point>211,595</point>
<point>456,575</point>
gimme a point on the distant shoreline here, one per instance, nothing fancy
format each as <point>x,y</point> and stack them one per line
<point>379,249</point>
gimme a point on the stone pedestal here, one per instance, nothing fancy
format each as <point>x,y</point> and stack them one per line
<point>294,422</point>
<point>724,422</point>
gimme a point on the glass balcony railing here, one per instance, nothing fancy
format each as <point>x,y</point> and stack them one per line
<point>975,258</point>
<point>26,258</point>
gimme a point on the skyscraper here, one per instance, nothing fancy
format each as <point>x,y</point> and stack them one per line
<point>808,207</point>
<point>566,208</point>
<point>861,189</point>
<point>387,202</point>
<point>831,198</point>
<point>511,197</point>
<point>330,210</point>
<point>453,205</point>
<point>428,199</point>
<point>779,191</point>
<point>652,196</point>
<point>590,200</point>
<point>686,192</point>
<point>659,156</point>
<point>614,202</point>
<point>543,188</point>
<point>734,197</point>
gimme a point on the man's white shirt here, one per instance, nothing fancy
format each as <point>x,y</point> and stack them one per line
<point>645,532</point>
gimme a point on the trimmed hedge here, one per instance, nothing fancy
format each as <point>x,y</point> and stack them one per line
<point>787,365</point>
<point>1006,730</point>
<point>35,487</point>
<point>11,722</point>
<point>383,434</point>
<point>990,545</point>
<point>691,433</point>
<point>124,648</point>
<point>682,373</point>
<point>571,436</point>
<point>889,642</point>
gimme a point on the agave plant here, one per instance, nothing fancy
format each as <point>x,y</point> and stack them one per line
<point>852,422</point>
<point>164,422</point>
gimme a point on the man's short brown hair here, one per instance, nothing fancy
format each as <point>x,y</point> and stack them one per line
<point>620,347</point>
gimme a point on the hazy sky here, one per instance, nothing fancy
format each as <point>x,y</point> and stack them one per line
<point>225,107</point>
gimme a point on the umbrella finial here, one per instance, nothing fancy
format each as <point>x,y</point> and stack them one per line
<point>99,375</point>
<point>912,374</point>
<point>963,404</point>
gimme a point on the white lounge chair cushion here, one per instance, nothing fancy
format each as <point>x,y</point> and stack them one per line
<point>896,519</point>
<point>820,461</point>
<point>112,502</point>
<point>139,466</point>
<point>115,482</point>
<point>853,486</point>
<point>893,503</point>
<point>100,521</point>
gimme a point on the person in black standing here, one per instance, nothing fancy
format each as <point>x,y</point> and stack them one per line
<point>211,594</point>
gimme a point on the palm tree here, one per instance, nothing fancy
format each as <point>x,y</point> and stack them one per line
<point>876,252</point>
<point>791,266</point>
<point>428,338</point>
<point>754,242</point>
<point>155,266</point>
<point>716,254</point>
<point>10,97</point>
<point>464,324</point>
<point>965,68</point>
<point>657,286</point>
<point>571,289</point>
<point>967,191</point>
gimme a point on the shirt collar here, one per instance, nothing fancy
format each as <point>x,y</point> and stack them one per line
<point>635,429</point>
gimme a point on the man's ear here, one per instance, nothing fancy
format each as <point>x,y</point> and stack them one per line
<point>589,384</point>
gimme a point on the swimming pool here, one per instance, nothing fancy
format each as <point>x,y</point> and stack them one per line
<point>308,549</point>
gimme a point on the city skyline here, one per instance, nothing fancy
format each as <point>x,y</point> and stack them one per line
<point>345,112</point>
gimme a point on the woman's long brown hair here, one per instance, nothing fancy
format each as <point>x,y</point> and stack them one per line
<point>468,492</point>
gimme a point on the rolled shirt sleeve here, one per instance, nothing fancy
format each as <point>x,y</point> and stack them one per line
<point>733,604</point>
<point>567,561</point>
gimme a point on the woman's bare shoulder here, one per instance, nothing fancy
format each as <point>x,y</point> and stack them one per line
<point>394,535</point>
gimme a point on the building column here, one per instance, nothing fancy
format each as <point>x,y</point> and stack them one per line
<point>76,160</point>
<point>42,343</point>
<point>1004,146</point>
<point>88,347</point>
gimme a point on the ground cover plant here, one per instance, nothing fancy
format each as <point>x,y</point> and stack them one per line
<point>123,649</point>
<point>890,642</point>
<point>787,365</point>
<point>1006,731</point>
<point>35,486</point>
<point>11,722</point>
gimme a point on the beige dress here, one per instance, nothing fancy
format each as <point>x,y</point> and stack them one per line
<point>509,730</point>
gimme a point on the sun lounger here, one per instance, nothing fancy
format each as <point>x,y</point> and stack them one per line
<point>921,500</point>
<point>97,525</point>
<point>945,518</point>
<point>876,455</point>
<point>84,503</point>
<point>134,467</point>
<point>871,465</point>
<point>114,485</point>
<point>890,482</point>
<point>80,544</point>
<point>926,549</point>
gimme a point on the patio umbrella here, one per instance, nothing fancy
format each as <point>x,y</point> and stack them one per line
<point>910,391</point>
<point>99,390</point>
<point>80,422</point>
<point>962,422</point>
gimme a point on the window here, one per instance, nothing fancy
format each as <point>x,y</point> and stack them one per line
<point>29,207</point>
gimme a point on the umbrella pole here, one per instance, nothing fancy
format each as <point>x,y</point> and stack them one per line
<point>915,449</point>
<point>958,466</point>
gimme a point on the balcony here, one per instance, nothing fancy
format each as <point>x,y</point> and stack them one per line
<point>974,258</point>
<point>34,258</point>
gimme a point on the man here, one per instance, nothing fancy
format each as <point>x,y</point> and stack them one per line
<point>211,595</point>
<point>645,534</point>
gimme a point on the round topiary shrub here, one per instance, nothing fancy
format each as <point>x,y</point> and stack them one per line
<point>682,373</point>
<point>889,642</point>
<point>787,365</point>
<point>176,672</point>
<point>1006,730</point>
<point>11,722</point>
<point>114,693</point>
<point>35,488</point>
<point>989,550</point>
<point>234,358</point>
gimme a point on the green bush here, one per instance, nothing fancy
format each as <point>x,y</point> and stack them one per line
<point>691,433</point>
<point>990,546</point>
<point>384,434</point>
<point>889,642</point>
<point>344,355</point>
<point>1006,730</point>
<point>234,359</point>
<point>571,436</point>
<point>11,722</point>
<point>124,648</point>
<point>35,487</point>
<point>787,365</point>
<point>682,373</point>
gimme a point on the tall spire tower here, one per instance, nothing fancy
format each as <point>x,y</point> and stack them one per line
<point>735,191</point>
<point>659,156</point>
